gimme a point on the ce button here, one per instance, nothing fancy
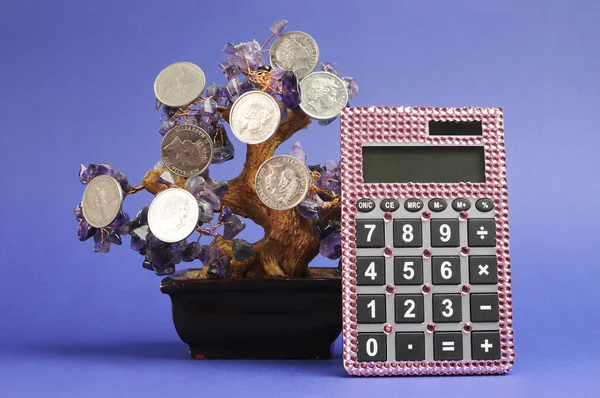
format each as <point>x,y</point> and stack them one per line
<point>390,205</point>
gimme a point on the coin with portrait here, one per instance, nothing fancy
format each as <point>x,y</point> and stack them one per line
<point>179,84</point>
<point>254,117</point>
<point>282,182</point>
<point>295,51</point>
<point>322,95</point>
<point>102,201</point>
<point>186,150</point>
<point>173,215</point>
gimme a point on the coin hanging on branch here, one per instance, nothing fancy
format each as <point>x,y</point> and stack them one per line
<point>179,84</point>
<point>297,52</point>
<point>102,201</point>
<point>186,150</point>
<point>323,95</point>
<point>254,117</point>
<point>173,215</point>
<point>282,182</point>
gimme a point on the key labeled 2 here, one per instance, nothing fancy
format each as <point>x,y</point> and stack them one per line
<point>409,308</point>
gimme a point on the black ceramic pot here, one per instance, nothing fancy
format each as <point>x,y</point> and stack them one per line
<point>282,318</point>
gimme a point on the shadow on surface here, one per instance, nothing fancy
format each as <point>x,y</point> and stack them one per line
<point>175,351</point>
<point>150,350</point>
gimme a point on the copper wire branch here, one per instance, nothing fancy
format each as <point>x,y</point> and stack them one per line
<point>267,42</point>
<point>212,229</point>
<point>135,189</point>
<point>315,189</point>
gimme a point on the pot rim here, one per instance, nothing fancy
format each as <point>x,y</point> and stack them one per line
<point>169,284</point>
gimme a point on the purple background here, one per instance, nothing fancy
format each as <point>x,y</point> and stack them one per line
<point>76,87</point>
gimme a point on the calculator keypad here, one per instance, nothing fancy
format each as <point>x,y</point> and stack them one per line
<point>413,306</point>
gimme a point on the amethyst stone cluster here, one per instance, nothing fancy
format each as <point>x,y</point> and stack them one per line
<point>245,68</point>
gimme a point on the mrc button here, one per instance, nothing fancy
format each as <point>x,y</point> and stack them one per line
<point>413,205</point>
<point>461,204</point>
<point>390,205</point>
<point>365,205</point>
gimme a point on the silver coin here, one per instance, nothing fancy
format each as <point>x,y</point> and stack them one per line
<point>102,201</point>
<point>173,215</point>
<point>254,117</point>
<point>186,150</point>
<point>322,95</point>
<point>295,51</point>
<point>179,84</point>
<point>282,182</point>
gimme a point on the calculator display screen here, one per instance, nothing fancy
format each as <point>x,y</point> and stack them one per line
<point>423,164</point>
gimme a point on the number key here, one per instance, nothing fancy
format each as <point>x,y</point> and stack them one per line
<point>447,308</point>
<point>408,233</point>
<point>370,308</point>
<point>372,347</point>
<point>369,233</point>
<point>444,233</point>
<point>446,270</point>
<point>370,271</point>
<point>408,270</point>
<point>409,308</point>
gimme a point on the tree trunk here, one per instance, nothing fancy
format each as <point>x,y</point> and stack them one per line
<point>288,244</point>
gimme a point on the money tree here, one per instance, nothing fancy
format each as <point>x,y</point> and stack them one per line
<point>293,236</point>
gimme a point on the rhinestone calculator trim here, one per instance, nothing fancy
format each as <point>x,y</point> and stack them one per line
<point>409,126</point>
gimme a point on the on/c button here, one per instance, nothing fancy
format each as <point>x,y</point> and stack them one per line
<point>365,205</point>
<point>390,205</point>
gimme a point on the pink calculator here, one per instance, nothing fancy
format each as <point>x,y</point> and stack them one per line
<point>425,242</point>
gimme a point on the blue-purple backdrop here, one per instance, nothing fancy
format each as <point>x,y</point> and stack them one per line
<point>76,87</point>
